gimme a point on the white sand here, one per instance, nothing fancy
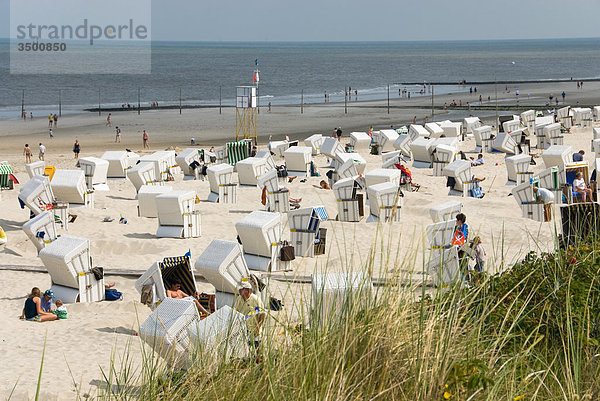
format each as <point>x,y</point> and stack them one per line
<point>77,348</point>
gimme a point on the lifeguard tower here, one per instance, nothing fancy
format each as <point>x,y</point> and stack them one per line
<point>246,113</point>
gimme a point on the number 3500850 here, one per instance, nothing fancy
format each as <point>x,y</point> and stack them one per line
<point>41,47</point>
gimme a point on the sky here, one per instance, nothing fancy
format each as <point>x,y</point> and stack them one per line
<point>362,20</point>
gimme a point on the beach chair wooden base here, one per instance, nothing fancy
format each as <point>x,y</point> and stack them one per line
<point>61,213</point>
<point>533,211</point>
<point>350,210</point>
<point>88,199</point>
<point>303,243</point>
<point>438,166</point>
<point>278,202</point>
<point>524,177</point>
<point>191,227</point>
<point>90,290</point>
<point>444,266</point>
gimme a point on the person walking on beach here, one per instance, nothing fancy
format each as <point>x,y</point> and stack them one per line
<point>145,140</point>
<point>338,133</point>
<point>50,120</point>
<point>27,153</point>
<point>563,96</point>
<point>51,133</point>
<point>76,149</point>
<point>55,118</point>
<point>42,152</point>
<point>31,116</point>
<point>108,124</point>
<point>117,135</point>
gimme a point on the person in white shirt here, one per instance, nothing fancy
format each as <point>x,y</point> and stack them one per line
<point>42,152</point>
<point>547,197</point>
<point>581,188</point>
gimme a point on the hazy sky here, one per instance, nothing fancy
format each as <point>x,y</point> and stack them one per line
<point>335,20</point>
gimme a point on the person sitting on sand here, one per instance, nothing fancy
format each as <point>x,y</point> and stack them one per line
<point>32,311</point>
<point>581,188</point>
<point>61,310</point>
<point>46,301</point>
<point>324,185</point>
<point>175,292</point>
<point>477,162</point>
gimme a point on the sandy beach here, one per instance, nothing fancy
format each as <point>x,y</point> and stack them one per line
<point>77,350</point>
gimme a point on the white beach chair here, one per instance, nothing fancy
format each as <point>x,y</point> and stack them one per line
<point>435,131</point>
<point>530,208</point>
<point>117,163</point>
<point>563,116</point>
<point>444,266</point>
<point>298,160</point>
<point>541,137</point>
<point>379,175</point>
<point>503,142</point>
<point>41,230</point>
<point>185,159</point>
<point>553,134</point>
<point>523,193</point>
<point>222,188</point>
<point>333,293</point>
<point>451,129</point>
<point>223,265</point>
<point>483,139</point>
<point>552,178</point>
<point>166,330</point>
<point>557,155</point>
<point>260,234</point>
<point>446,211</point>
<point>342,160</point>
<point>528,119</point>
<point>37,194</point>
<point>279,147</point>
<point>384,140</point>
<point>460,170</point>
<point>385,201</point>
<point>442,156</point>
<point>582,116</point>
<point>147,199</point>
<point>143,174</point>
<point>220,154</point>
<point>470,124</point>
<point>331,148</point>
<point>220,336</point>
<point>596,113</point>
<point>69,186</point>
<point>164,163</point>
<point>403,144</point>
<point>278,200</point>
<point>314,142</point>
<point>304,226</point>
<point>416,131</point>
<point>595,146</point>
<point>349,203</point>
<point>96,171</point>
<point>161,274</point>
<point>511,125</point>
<point>35,168</point>
<point>390,159</point>
<point>517,168</point>
<point>177,217</point>
<point>69,264</point>
<point>266,154</point>
<point>360,141</point>
<point>441,234</point>
<point>421,152</point>
<point>250,169</point>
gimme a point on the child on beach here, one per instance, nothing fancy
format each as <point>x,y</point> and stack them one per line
<point>61,310</point>
<point>480,255</point>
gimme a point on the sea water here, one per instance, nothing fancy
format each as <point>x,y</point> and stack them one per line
<point>208,73</point>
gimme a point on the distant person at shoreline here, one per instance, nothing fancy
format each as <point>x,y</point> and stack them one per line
<point>108,123</point>
<point>32,311</point>
<point>50,120</point>
<point>117,135</point>
<point>76,149</point>
<point>27,153</point>
<point>145,140</point>
<point>51,133</point>
<point>31,116</point>
<point>338,133</point>
<point>55,117</point>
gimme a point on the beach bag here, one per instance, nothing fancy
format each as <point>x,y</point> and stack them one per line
<point>476,191</point>
<point>98,272</point>
<point>286,253</point>
<point>459,238</point>
<point>112,295</point>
